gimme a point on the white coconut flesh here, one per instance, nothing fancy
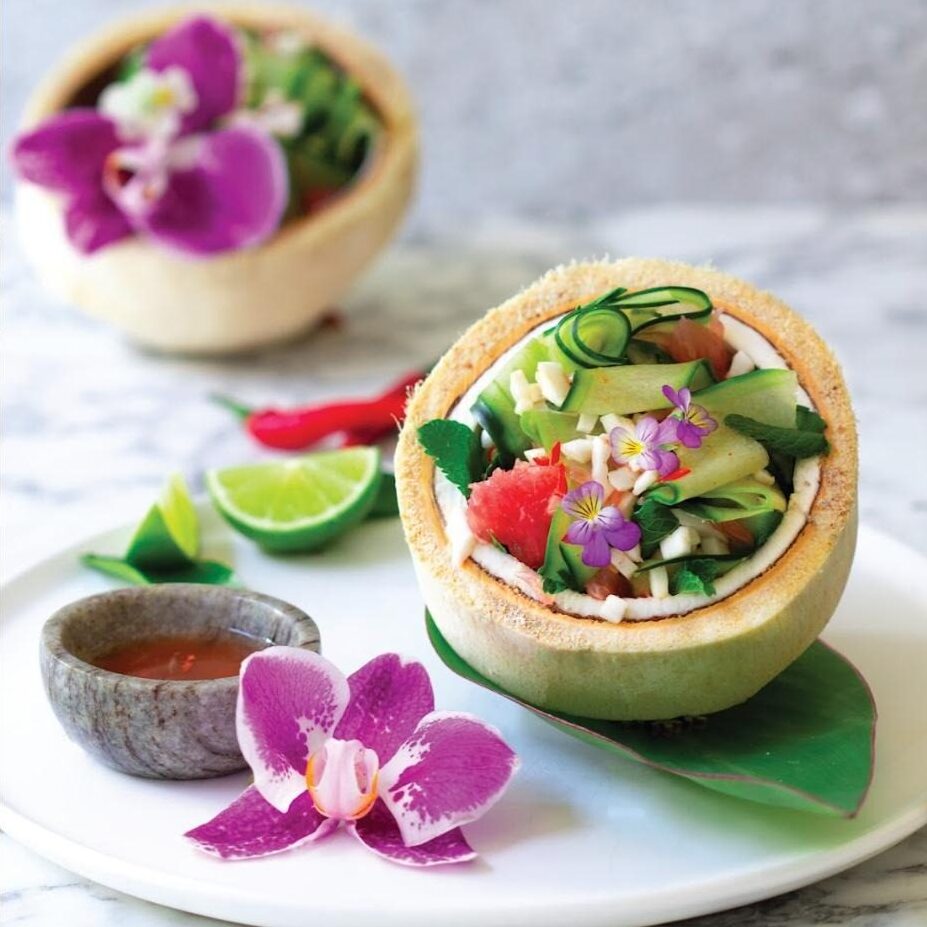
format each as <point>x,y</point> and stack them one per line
<point>508,569</point>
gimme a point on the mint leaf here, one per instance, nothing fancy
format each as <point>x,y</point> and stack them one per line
<point>455,449</point>
<point>791,441</point>
<point>656,522</point>
<point>807,420</point>
<point>557,582</point>
<point>696,576</point>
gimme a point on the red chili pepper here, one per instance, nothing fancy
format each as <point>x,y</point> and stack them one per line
<point>363,421</point>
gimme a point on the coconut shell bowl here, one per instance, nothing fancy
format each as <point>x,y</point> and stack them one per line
<point>242,298</point>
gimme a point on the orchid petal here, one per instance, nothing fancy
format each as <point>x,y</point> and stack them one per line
<point>379,832</point>
<point>232,197</point>
<point>208,51</point>
<point>621,533</point>
<point>595,550</point>
<point>66,152</point>
<point>289,702</point>
<point>450,772</point>
<point>671,395</point>
<point>389,696</point>
<point>648,430</point>
<point>250,827</point>
<point>92,221</point>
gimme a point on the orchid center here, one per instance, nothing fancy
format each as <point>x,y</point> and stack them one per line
<point>150,104</point>
<point>342,779</point>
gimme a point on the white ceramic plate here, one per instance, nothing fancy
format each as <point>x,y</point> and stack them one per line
<point>581,837</point>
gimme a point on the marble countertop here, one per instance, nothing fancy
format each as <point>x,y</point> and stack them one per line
<point>90,425</point>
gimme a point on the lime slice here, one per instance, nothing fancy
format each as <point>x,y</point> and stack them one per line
<point>169,535</point>
<point>301,503</point>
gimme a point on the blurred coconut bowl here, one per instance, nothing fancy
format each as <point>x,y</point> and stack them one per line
<point>244,299</point>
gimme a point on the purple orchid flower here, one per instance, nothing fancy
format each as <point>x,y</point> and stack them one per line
<point>692,421</point>
<point>369,752</point>
<point>646,446</point>
<point>148,161</point>
<point>597,528</point>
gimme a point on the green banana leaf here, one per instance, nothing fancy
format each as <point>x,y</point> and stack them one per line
<point>805,741</point>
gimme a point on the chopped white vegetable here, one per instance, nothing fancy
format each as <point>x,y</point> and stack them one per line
<point>622,479</point>
<point>586,422</point>
<point>580,450</point>
<point>611,421</point>
<point>635,553</point>
<point>678,543</point>
<point>553,382</point>
<point>659,582</point>
<point>535,453</point>
<point>623,563</point>
<point>526,395</point>
<point>613,608</point>
<point>740,364</point>
<point>644,482</point>
<point>601,455</point>
<point>713,545</point>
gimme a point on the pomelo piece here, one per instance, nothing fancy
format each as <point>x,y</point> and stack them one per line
<point>515,508</point>
<point>703,661</point>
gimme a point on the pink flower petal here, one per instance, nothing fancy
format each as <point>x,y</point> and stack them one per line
<point>250,827</point>
<point>379,832</point>
<point>450,772</point>
<point>289,702</point>
<point>232,197</point>
<point>66,152</point>
<point>389,696</point>
<point>93,220</point>
<point>208,51</point>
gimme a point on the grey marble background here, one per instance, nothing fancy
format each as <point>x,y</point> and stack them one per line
<point>562,109</point>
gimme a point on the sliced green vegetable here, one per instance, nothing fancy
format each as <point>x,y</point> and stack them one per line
<point>646,352</point>
<point>715,564</point>
<point>593,336</point>
<point>804,741</point>
<point>766,395</point>
<point>725,456</point>
<point>628,389</point>
<point>656,521</point>
<point>455,449</point>
<point>736,500</point>
<point>762,526</point>
<point>662,304</point>
<point>789,441</point>
<point>555,571</point>
<point>546,427</point>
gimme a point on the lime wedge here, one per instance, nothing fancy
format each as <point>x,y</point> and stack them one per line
<point>301,503</point>
<point>168,535</point>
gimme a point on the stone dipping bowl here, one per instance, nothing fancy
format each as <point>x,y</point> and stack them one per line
<point>157,728</point>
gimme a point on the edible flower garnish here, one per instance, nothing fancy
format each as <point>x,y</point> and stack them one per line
<point>597,528</point>
<point>154,157</point>
<point>692,421</point>
<point>368,752</point>
<point>646,446</point>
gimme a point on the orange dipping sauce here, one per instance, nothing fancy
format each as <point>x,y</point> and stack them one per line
<point>182,656</point>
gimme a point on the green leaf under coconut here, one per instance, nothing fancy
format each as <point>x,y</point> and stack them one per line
<point>210,572</point>
<point>804,741</point>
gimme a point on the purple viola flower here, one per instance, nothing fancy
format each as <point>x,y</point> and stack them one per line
<point>691,421</point>
<point>151,161</point>
<point>646,446</point>
<point>597,528</point>
<point>368,752</point>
